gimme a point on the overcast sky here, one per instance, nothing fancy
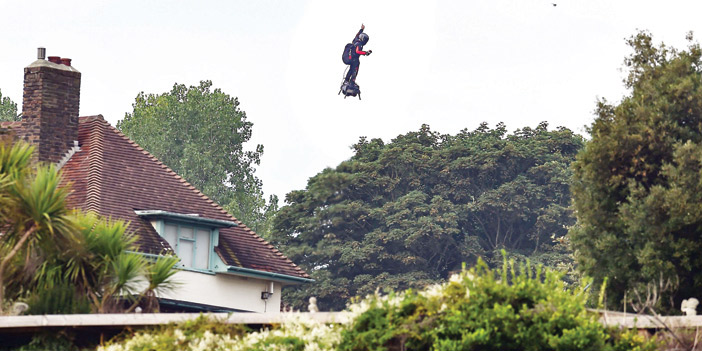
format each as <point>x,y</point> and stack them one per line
<point>450,64</point>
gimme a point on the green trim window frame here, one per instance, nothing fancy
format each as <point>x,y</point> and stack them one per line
<point>192,244</point>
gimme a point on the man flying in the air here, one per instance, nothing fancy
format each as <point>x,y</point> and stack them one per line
<point>355,53</point>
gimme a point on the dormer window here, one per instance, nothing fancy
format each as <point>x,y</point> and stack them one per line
<point>192,238</point>
<point>191,243</point>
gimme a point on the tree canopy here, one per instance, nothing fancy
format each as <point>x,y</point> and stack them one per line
<point>8,109</point>
<point>200,133</point>
<point>636,185</point>
<point>409,212</point>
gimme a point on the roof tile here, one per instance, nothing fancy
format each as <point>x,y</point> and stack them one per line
<point>114,176</point>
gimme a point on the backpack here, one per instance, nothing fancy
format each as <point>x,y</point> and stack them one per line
<point>347,56</point>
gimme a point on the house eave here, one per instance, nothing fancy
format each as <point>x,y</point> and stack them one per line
<point>246,272</point>
<point>254,273</point>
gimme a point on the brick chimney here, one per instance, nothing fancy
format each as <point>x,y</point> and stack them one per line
<point>50,106</point>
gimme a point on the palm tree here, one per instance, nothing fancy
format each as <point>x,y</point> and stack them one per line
<point>159,277</point>
<point>32,207</point>
<point>98,264</point>
<point>102,265</point>
<point>44,245</point>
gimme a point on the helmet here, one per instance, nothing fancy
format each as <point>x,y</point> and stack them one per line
<point>363,38</point>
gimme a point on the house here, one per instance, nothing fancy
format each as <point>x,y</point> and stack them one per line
<point>225,266</point>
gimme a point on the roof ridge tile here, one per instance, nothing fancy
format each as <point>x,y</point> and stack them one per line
<point>95,163</point>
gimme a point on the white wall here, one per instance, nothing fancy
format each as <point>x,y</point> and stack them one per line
<point>225,290</point>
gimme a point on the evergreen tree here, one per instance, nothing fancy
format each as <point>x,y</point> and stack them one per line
<point>636,184</point>
<point>407,213</point>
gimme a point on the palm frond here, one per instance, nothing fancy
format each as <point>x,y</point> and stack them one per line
<point>15,158</point>
<point>43,201</point>
<point>160,274</point>
<point>128,271</point>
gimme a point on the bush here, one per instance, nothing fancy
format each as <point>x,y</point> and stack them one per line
<point>200,334</point>
<point>527,308</point>
<point>58,299</point>
<point>209,334</point>
<point>50,341</point>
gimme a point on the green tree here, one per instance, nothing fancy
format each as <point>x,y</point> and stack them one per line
<point>636,183</point>
<point>8,109</point>
<point>200,133</point>
<point>407,213</point>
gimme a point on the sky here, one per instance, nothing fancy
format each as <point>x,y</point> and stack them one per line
<point>448,64</point>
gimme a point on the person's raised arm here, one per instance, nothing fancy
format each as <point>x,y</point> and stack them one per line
<point>359,32</point>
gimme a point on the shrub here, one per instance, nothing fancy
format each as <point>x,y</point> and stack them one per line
<point>209,334</point>
<point>58,299</point>
<point>200,334</point>
<point>523,308</point>
<point>528,308</point>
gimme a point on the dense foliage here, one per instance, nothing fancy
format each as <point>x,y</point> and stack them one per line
<point>63,261</point>
<point>407,213</point>
<point>207,333</point>
<point>200,334</point>
<point>8,109</point>
<point>99,264</point>
<point>32,213</point>
<point>637,183</point>
<point>527,308</point>
<point>200,133</point>
<point>523,308</point>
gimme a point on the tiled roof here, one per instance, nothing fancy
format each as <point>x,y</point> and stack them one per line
<point>13,127</point>
<point>113,176</point>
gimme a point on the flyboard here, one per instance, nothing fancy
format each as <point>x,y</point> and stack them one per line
<point>349,88</point>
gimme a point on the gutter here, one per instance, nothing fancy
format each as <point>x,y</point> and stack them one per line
<point>146,254</point>
<point>246,272</point>
<point>254,273</point>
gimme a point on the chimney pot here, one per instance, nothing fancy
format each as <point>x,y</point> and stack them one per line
<point>41,53</point>
<point>55,59</point>
<point>66,61</point>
